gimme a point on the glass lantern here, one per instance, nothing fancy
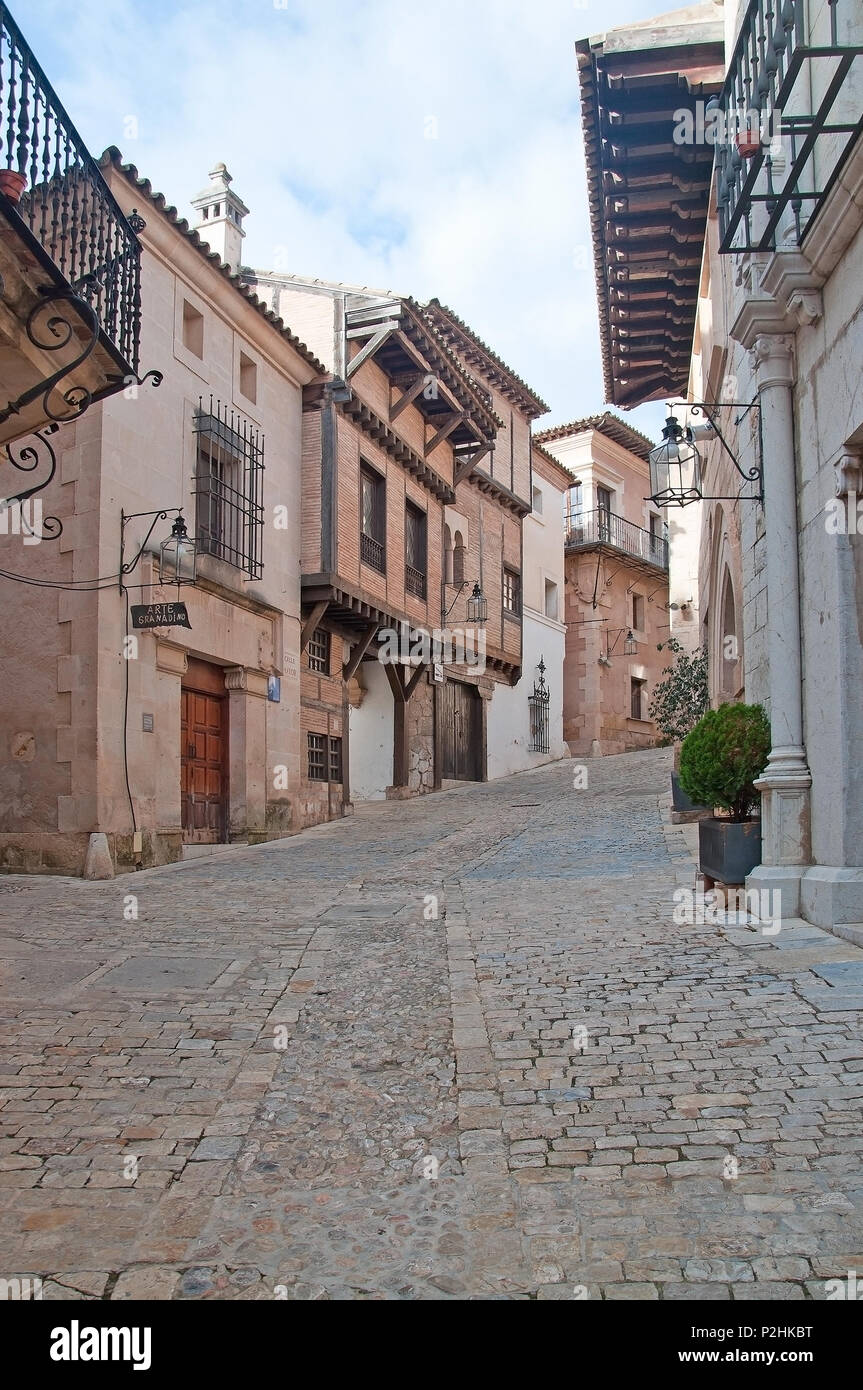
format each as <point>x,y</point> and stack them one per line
<point>177,556</point>
<point>477,605</point>
<point>675,468</point>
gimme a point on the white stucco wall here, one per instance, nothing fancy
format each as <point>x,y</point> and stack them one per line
<point>509,714</point>
<point>371,737</point>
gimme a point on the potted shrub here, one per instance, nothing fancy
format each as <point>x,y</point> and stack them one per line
<point>719,762</point>
<point>679,700</point>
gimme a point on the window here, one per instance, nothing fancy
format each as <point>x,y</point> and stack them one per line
<point>603,506</point>
<point>657,538</point>
<point>248,378</point>
<point>324,758</point>
<point>512,593</point>
<point>536,500</point>
<point>637,689</point>
<point>317,758</point>
<point>228,489</point>
<point>638,612</point>
<point>550,599</point>
<point>458,553</point>
<point>415,550</point>
<point>335,760</point>
<point>372,519</point>
<point>193,329</point>
<point>319,651</point>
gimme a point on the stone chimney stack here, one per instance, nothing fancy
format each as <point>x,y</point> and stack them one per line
<point>220,218</point>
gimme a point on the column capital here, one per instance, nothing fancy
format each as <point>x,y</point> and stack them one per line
<point>246,678</point>
<point>772,357</point>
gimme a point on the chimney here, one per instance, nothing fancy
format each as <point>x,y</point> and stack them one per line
<point>220,218</point>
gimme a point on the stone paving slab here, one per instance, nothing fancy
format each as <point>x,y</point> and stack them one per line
<point>456,1048</point>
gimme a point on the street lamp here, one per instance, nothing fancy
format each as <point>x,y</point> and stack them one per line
<point>675,464</point>
<point>177,555</point>
<point>630,646</point>
<point>675,468</point>
<point>477,605</point>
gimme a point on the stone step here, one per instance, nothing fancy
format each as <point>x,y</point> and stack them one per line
<point>204,851</point>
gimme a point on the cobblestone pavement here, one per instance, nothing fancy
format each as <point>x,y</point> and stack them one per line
<point>287,1078</point>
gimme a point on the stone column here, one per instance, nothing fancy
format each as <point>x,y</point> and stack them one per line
<point>785,783</point>
<point>247,753</point>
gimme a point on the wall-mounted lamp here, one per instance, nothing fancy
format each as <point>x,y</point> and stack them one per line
<point>675,464</point>
<point>178,553</point>
<point>477,605</point>
<point>630,646</point>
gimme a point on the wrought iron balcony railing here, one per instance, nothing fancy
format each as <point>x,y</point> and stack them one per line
<point>785,127</point>
<point>415,582</point>
<point>602,527</point>
<point>372,553</point>
<point>59,193</point>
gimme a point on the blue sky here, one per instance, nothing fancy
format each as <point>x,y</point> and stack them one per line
<point>427,146</point>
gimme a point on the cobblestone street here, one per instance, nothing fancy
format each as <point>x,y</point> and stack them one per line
<point>288,1078</point>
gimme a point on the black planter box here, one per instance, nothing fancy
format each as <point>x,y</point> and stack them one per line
<point>728,850</point>
<point>679,800</point>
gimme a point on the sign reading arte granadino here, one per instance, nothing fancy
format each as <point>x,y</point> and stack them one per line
<point>146,615</point>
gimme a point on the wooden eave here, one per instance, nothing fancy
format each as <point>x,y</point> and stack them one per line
<point>485,483</point>
<point>386,438</point>
<point>648,196</point>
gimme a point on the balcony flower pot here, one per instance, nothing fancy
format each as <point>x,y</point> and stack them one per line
<point>728,850</point>
<point>748,142</point>
<point>12,184</point>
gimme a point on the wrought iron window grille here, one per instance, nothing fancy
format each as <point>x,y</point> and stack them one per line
<point>538,703</point>
<point>229,481</point>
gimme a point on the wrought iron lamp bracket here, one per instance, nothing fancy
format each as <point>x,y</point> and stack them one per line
<point>710,410</point>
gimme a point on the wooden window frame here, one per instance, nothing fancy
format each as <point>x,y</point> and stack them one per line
<point>373,548</point>
<point>416,576</point>
<point>515,575</point>
<point>319,661</point>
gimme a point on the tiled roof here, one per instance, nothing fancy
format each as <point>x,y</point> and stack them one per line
<point>445,319</point>
<point>606,423</point>
<point>113,157</point>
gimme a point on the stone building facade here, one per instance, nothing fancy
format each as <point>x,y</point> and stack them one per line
<point>616,590</point>
<point>174,736</point>
<point>765,322</point>
<point>416,483</point>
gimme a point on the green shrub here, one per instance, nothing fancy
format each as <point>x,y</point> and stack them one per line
<point>722,756</point>
<point>680,696</point>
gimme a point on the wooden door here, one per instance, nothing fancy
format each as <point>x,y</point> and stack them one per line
<point>460,731</point>
<point>203,768</point>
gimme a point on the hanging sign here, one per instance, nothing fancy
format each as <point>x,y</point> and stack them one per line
<point>146,615</point>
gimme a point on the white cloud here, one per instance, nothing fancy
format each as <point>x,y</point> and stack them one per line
<point>321,112</point>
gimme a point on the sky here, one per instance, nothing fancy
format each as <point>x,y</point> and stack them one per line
<point>432,147</point>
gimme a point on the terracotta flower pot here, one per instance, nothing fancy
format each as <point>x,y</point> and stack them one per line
<point>748,142</point>
<point>12,184</point>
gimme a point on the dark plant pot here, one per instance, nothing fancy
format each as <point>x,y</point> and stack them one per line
<point>679,800</point>
<point>728,850</point>
<point>12,184</point>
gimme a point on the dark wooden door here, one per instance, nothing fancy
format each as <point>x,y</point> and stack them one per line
<point>203,779</point>
<point>460,731</point>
